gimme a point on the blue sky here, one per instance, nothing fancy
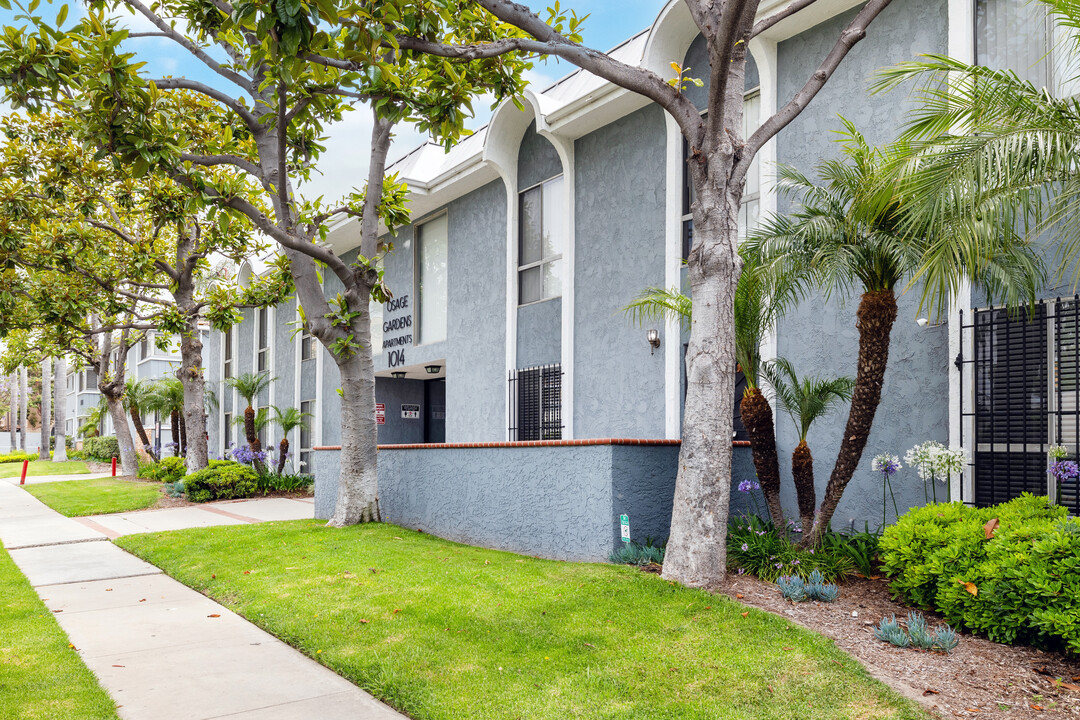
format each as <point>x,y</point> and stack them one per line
<point>345,163</point>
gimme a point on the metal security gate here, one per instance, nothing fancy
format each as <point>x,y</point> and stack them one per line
<point>536,403</point>
<point>1019,395</point>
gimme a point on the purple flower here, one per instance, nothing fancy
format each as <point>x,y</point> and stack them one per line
<point>760,533</point>
<point>741,571</point>
<point>795,562</point>
<point>1064,470</point>
<point>779,565</point>
<point>747,485</point>
<point>745,547</point>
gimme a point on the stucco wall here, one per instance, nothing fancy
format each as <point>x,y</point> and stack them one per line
<point>557,502</point>
<point>537,159</point>
<point>539,337</point>
<point>619,245</point>
<point>819,336</point>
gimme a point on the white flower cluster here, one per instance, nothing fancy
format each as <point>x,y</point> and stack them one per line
<point>935,461</point>
<point>1057,452</point>
<point>886,463</point>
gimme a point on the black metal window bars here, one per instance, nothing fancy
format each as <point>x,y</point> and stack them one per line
<point>536,403</point>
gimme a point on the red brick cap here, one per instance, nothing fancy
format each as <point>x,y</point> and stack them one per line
<point>531,443</point>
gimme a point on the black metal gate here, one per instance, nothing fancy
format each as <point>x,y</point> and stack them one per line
<point>1019,395</point>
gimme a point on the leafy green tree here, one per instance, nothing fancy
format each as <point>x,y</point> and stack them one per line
<point>805,400</point>
<point>288,419</point>
<point>292,68</point>
<point>837,242</point>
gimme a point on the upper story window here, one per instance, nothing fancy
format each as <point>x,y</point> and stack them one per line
<point>307,345</point>
<point>227,352</point>
<point>431,258</point>
<point>1023,37</point>
<point>541,238</point>
<point>263,337</point>
<point>144,347</point>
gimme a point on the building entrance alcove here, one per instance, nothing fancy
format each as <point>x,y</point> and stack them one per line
<point>411,404</point>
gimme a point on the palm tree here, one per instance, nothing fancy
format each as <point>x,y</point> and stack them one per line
<point>95,416</point>
<point>805,400</point>
<point>758,304</point>
<point>138,399</point>
<point>852,233</point>
<point>168,399</point>
<point>249,385</point>
<point>985,143</point>
<point>287,419</point>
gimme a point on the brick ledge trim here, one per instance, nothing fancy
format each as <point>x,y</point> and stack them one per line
<point>531,443</point>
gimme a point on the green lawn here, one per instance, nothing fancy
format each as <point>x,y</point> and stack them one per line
<point>96,496</point>
<point>41,676</point>
<point>447,631</point>
<point>44,467</point>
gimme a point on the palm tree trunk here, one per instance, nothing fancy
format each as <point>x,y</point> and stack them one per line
<point>283,450</point>
<point>874,319</point>
<point>249,429</point>
<point>758,418</point>
<point>802,473</point>
<point>174,430</point>
<point>136,420</point>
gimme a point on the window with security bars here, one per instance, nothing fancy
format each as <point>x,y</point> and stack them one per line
<point>536,403</point>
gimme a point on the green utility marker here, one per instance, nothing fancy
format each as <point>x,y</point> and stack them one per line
<point>625,522</point>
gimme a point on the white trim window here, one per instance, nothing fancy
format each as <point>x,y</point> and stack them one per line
<point>541,240</point>
<point>1025,38</point>
<point>432,241</point>
<point>307,407</point>
<point>307,345</point>
<point>262,337</point>
<point>227,353</point>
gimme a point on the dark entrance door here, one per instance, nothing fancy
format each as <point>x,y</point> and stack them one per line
<point>435,411</point>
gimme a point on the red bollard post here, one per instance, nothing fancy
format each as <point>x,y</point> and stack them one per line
<point>114,467</point>
<point>22,480</point>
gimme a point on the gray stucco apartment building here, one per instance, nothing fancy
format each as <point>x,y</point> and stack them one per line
<point>530,236</point>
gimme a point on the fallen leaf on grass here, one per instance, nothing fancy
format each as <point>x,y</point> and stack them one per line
<point>247,572</point>
<point>745,614</point>
<point>788,648</point>
<point>589,645</point>
<point>362,620</point>
<point>58,611</point>
<point>769,688</point>
<point>118,666</point>
<point>143,600</point>
<point>214,615</point>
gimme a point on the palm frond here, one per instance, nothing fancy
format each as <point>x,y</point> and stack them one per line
<point>805,399</point>
<point>655,304</point>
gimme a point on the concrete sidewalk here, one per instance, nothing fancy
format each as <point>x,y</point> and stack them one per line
<point>162,650</point>
<point>38,479</point>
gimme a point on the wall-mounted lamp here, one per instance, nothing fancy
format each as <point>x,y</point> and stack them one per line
<point>433,369</point>
<point>925,323</point>
<point>653,337</point>
<point>398,374</point>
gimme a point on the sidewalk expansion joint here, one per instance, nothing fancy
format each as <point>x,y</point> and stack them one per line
<point>155,571</point>
<point>52,544</point>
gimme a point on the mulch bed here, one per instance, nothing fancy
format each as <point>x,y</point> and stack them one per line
<point>979,679</point>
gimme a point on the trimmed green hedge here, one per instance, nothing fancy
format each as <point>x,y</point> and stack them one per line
<point>1022,584</point>
<point>101,448</point>
<point>17,457</point>
<point>222,480</point>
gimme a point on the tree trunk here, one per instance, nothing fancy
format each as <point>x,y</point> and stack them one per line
<point>358,482</point>
<point>191,376</point>
<point>758,418</point>
<point>174,431</point>
<point>13,388</point>
<point>802,472</point>
<point>46,402</point>
<point>129,461</point>
<point>183,434</point>
<point>60,404</point>
<point>697,547</point>
<point>283,450</point>
<point>140,431</point>
<point>24,399</point>
<point>250,435</point>
<point>874,319</point>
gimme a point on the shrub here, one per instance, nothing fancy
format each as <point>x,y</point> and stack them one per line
<point>17,457</point>
<point>1021,584</point>
<point>221,481</point>
<point>635,553</point>
<point>756,547</point>
<point>168,470</point>
<point>101,448</point>
<point>272,482</point>
<point>174,489</point>
<point>76,454</point>
<point>917,634</point>
<point>814,587</point>
<point>861,548</point>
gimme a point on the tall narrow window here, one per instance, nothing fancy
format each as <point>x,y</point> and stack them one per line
<point>1012,35</point>
<point>751,202</point>
<point>541,238</point>
<point>307,407</point>
<point>144,347</point>
<point>307,345</point>
<point>431,257</point>
<point>264,340</point>
<point>226,431</point>
<point>227,352</point>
